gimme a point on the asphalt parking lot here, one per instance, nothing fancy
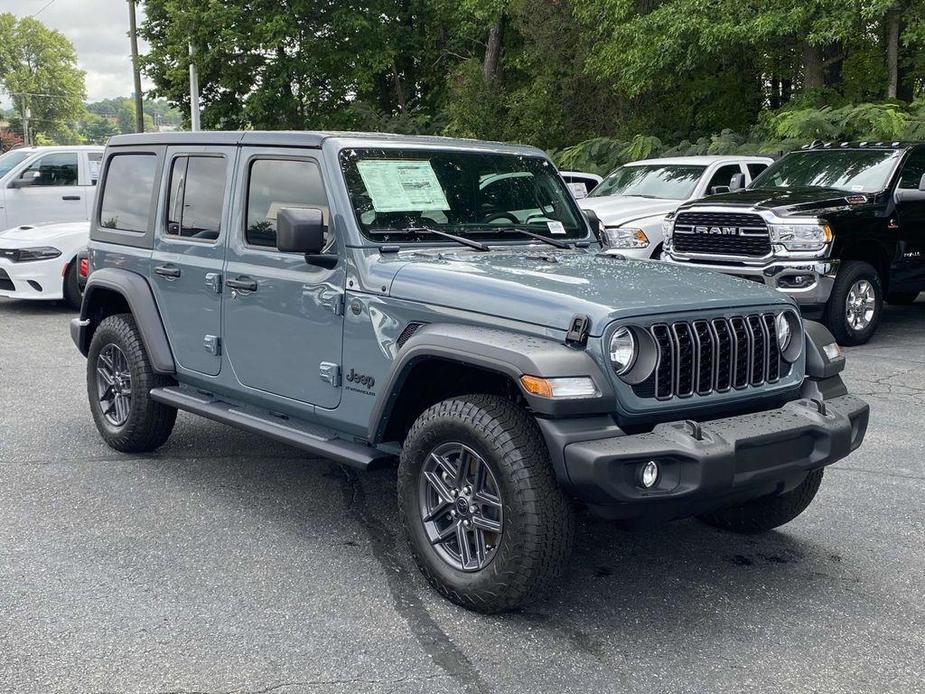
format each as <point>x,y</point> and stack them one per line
<point>227,563</point>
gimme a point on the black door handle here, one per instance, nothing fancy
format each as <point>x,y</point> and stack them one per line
<point>243,283</point>
<point>167,271</point>
<point>70,197</point>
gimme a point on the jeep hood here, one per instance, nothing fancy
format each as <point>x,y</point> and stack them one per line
<point>550,288</point>
<point>808,201</point>
<point>617,210</point>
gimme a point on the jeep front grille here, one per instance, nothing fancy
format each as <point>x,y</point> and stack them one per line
<point>721,233</point>
<point>713,356</point>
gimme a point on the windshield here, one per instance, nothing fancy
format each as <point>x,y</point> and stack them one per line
<point>666,181</point>
<point>11,159</point>
<point>472,194</point>
<point>851,170</point>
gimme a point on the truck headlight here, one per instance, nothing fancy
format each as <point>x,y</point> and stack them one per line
<point>668,225</point>
<point>618,237</point>
<point>801,237</point>
<point>622,350</point>
<point>25,255</point>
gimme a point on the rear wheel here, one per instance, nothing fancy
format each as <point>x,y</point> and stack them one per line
<point>71,289</point>
<point>853,310</point>
<point>768,512</point>
<point>486,521</point>
<point>902,298</point>
<point>119,382</point>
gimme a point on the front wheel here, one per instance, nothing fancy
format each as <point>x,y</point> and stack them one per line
<point>71,287</point>
<point>486,521</point>
<point>853,310</point>
<point>119,382</point>
<point>769,512</point>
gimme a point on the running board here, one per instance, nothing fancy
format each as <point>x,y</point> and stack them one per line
<point>308,437</point>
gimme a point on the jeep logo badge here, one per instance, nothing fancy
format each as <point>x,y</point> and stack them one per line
<point>361,379</point>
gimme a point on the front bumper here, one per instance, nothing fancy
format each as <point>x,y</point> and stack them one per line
<point>810,282</point>
<point>734,459</point>
<point>39,279</point>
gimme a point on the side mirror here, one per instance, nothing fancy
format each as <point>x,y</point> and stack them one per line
<point>28,178</point>
<point>922,182</point>
<point>300,230</point>
<point>595,222</point>
<point>911,194</point>
<point>737,182</point>
<point>719,189</point>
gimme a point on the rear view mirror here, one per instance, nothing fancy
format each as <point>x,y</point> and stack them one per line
<point>719,189</point>
<point>300,230</point>
<point>737,182</point>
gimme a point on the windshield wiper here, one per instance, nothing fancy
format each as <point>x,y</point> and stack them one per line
<point>414,231</point>
<point>526,232</point>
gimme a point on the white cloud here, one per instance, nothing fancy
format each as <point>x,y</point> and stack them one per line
<point>99,31</point>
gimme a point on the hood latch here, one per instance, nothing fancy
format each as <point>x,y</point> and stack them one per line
<point>577,335</point>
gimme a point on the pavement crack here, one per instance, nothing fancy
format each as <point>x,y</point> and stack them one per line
<point>408,604</point>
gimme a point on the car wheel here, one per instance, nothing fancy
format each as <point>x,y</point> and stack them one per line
<point>853,310</point>
<point>119,380</point>
<point>902,298</point>
<point>486,521</point>
<point>72,294</point>
<point>768,512</point>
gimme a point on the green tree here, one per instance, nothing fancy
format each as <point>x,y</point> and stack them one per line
<point>38,69</point>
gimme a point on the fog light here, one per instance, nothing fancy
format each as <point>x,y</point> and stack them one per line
<point>649,474</point>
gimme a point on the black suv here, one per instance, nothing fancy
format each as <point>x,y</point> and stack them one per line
<point>839,227</point>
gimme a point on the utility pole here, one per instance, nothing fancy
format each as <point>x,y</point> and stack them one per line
<point>193,90</point>
<point>26,113</point>
<point>133,36</point>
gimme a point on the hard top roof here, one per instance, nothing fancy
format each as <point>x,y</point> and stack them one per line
<point>313,139</point>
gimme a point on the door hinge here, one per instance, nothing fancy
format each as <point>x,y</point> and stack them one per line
<point>212,344</point>
<point>330,373</point>
<point>214,281</point>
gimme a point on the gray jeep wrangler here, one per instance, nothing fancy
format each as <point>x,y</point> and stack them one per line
<point>445,303</point>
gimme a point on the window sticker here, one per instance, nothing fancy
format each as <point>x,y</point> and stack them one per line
<point>555,227</point>
<point>399,185</point>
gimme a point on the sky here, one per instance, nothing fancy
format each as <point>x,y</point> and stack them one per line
<point>99,31</point>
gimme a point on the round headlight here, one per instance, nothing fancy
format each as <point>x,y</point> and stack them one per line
<point>622,350</point>
<point>784,333</point>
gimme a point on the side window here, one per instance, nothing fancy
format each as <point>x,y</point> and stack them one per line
<point>93,166</point>
<point>755,169</point>
<point>127,192</point>
<point>53,170</point>
<point>196,198</point>
<point>275,184</point>
<point>913,171</point>
<point>723,176</point>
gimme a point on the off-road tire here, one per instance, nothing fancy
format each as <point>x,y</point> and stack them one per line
<point>834,317</point>
<point>538,520</point>
<point>71,289</point>
<point>149,423</point>
<point>902,298</point>
<point>768,512</point>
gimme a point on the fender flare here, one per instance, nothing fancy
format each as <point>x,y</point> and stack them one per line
<point>506,353</point>
<point>140,299</point>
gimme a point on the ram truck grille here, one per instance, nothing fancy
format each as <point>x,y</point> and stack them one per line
<point>721,233</point>
<point>714,356</point>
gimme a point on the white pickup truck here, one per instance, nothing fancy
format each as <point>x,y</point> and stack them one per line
<point>632,201</point>
<point>47,184</point>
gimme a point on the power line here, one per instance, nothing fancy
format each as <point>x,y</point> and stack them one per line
<point>45,7</point>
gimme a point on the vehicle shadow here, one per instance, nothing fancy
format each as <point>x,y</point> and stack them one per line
<point>19,307</point>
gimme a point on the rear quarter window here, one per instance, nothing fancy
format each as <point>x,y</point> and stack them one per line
<point>129,185</point>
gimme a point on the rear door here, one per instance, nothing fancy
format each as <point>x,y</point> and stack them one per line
<point>189,250</point>
<point>48,191</point>
<point>910,267</point>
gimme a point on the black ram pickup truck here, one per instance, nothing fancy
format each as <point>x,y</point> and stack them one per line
<point>840,227</point>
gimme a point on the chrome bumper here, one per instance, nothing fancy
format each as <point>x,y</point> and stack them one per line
<point>810,282</point>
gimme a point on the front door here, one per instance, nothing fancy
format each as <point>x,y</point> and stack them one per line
<point>283,317</point>
<point>189,251</point>
<point>47,190</point>
<point>910,269</point>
